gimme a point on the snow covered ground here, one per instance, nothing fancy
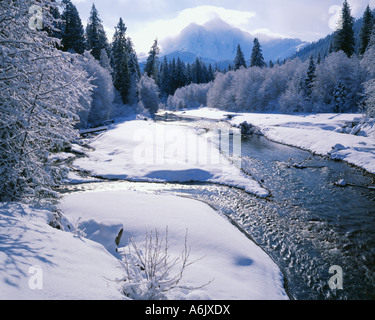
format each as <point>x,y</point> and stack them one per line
<point>39,262</point>
<point>154,152</point>
<point>324,134</point>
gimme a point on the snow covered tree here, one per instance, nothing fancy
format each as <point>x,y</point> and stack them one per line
<point>191,96</point>
<point>257,59</point>
<point>152,63</point>
<point>344,37</point>
<point>102,96</point>
<point>239,60</point>
<point>370,98</point>
<point>54,28</point>
<point>96,38</point>
<point>366,31</point>
<point>148,93</point>
<point>338,66</point>
<point>309,80</point>
<point>41,89</point>
<point>339,97</point>
<point>368,63</point>
<point>72,35</point>
<point>105,62</point>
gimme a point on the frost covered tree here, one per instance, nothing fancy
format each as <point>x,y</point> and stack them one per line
<point>152,63</point>
<point>366,31</point>
<point>100,109</point>
<point>72,35</point>
<point>96,38</point>
<point>370,98</point>
<point>338,66</point>
<point>105,62</point>
<point>344,39</point>
<point>368,63</point>
<point>191,96</point>
<point>309,80</point>
<point>257,59</point>
<point>339,97</point>
<point>239,60</point>
<point>148,94</point>
<point>41,89</point>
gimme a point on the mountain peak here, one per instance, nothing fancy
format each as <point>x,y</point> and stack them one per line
<point>217,40</point>
<point>217,24</point>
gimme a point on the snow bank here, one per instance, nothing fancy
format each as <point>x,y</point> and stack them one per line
<point>148,151</point>
<point>38,262</point>
<point>238,267</point>
<point>318,133</point>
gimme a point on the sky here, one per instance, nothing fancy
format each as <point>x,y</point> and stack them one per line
<point>146,20</point>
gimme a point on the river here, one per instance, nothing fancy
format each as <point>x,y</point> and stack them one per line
<point>308,224</point>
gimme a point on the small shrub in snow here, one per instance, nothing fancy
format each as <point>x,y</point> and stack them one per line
<point>151,272</point>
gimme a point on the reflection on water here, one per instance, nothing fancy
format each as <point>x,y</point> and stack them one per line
<point>308,224</point>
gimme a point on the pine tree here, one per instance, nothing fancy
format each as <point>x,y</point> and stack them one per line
<point>339,97</point>
<point>96,38</point>
<point>121,57</point>
<point>164,78</point>
<point>365,35</point>
<point>72,35</point>
<point>180,73</point>
<point>152,64</point>
<point>239,60</point>
<point>309,80</point>
<point>344,37</point>
<point>105,61</point>
<point>257,59</point>
<point>54,28</point>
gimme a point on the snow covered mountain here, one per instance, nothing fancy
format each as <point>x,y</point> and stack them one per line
<point>217,41</point>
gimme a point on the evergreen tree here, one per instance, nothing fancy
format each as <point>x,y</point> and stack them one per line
<point>309,80</point>
<point>271,65</point>
<point>152,64</point>
<point>257,59</point>
<point>105,61</point>
<point>180,73</point>
<point>165,78</point>
<point>96,39</point>
<point>239,61</point>
<point>339,97</point>
<point>197,73</point>
<point>72,34</point>
<point>121,57</point>
<point>54,28</point>
<point>344,37</point>
<point>365,35</point>
<point>319,58</point>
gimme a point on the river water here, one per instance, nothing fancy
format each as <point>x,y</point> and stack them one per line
<point>308,224</point>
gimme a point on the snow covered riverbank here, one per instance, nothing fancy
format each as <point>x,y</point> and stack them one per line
<point>154,152</point>
<point>39,262</point>
<point>334,135</point>
<point>81,262</point>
